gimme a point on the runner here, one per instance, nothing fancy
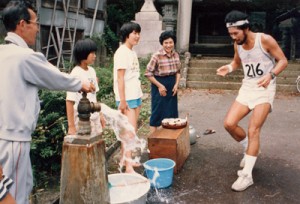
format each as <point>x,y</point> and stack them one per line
<point>262,60</point>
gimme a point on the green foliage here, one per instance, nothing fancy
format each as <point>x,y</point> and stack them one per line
<point>111,40</point>
<point>109,136</point>
<point>98,39</point>
<point>118,13</point>
<point>46,146</point>
<point>1,40</point>
<point>122,11</point>
<point>106,92</point>
<point>68,66</point>
<point>144,80</point>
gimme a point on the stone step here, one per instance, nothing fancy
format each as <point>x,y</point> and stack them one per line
<point>210,62</point>
<point>287,73</point>
<point>213,85</point>
<point>212,49</point>
<point>193,70</point>
<point>293,69</point>
<point>216,63</point>
<point>202,74</point>
<point>234,86</point>
<point>235,78</point>
<point>290,75</point>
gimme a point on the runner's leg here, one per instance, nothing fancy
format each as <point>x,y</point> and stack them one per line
<point>236,113</point>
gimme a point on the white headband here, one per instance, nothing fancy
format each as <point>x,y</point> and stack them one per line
<point>237,23</point>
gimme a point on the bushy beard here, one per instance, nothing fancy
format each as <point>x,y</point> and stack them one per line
<point>244,40</point>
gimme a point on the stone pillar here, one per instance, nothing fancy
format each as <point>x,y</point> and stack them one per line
<point>152,26</point>
<point>184,25</point>
<point>184,71</point>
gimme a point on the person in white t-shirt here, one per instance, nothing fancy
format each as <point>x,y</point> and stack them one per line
<point>84,55</point>
<point>127,86</point>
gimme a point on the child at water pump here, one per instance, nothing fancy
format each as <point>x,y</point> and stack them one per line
<point>127,86</point>
<point>84,55</point>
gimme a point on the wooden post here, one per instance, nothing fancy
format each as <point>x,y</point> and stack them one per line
<point>84,174</point>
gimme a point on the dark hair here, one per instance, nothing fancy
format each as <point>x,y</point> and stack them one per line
<point>82,49</point>
<point>128,28</point>
<point>14,12</point>
<point>166,35</point>
<point>235,16</point>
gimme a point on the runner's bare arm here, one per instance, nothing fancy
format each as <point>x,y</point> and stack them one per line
<point>272,47</point>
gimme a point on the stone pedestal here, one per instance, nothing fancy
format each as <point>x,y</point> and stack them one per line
<point>83,175</point>
<point>170,143</point>
<point>152,26</point>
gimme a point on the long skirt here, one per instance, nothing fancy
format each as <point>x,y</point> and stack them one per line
<point>163,106</point>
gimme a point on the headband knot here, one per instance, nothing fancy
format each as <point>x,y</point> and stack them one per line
<point>237,23</point>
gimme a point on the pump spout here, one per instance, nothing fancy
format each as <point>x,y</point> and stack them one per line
<point>85,108</point>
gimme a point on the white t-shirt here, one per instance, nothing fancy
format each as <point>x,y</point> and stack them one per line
<point>91,76</point>
<point>127,59</point>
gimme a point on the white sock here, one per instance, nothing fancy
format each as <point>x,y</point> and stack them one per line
<point>249,164</point>
<point>244,143</point>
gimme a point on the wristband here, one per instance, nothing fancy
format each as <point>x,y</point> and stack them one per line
<point>230,68</point>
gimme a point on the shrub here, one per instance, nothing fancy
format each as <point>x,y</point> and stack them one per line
<point>46,146</point>
<point>106,92</point>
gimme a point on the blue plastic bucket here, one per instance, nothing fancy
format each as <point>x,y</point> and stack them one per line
<point>160,172</point>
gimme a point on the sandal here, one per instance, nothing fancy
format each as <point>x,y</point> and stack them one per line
<point>209,131</point>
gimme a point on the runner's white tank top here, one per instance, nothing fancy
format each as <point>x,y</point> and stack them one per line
<point>256,62</point>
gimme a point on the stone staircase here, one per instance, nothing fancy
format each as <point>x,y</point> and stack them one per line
<point>201,74</point>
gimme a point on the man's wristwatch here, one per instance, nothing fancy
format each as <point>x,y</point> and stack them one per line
<point>273,75</point>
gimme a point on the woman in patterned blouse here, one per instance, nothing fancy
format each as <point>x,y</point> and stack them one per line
<point>163,71</point>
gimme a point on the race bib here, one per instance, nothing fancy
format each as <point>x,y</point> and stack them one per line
<point>253,69</point>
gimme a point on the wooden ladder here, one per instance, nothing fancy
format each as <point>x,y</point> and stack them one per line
<point>61,37</point>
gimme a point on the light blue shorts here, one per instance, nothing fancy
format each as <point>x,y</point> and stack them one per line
<point>132,103</point>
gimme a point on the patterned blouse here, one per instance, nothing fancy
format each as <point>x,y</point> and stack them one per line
<point>163,64</point>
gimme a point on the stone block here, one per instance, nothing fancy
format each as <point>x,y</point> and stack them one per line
<point>148,16</point>
<point>151,25</point>
<point>151,47</point>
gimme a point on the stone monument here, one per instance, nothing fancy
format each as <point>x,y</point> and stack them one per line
<point>152,26</point>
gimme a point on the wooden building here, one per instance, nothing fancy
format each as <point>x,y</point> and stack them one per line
<point>62,23</point>
<point>201,29</point>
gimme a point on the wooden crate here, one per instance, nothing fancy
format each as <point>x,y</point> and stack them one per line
<point>170,143</point>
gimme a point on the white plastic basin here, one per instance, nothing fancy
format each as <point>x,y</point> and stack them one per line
<point>128,188</point>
